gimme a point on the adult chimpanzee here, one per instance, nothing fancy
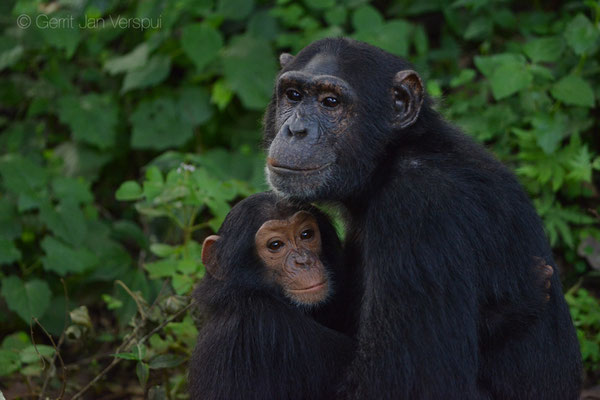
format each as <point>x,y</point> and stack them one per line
<point>440,231</point>
<point>267,276</point>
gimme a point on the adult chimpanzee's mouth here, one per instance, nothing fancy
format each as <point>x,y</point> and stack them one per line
<point>284,169</point>
<point>310,289</point>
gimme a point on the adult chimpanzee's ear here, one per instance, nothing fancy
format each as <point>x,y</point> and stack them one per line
<point>285,59</point>
<point>408,98</point>
<point>209,258</point>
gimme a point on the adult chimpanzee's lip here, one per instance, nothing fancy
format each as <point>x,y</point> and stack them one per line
<point>309,289</point>
<point>290,170</point>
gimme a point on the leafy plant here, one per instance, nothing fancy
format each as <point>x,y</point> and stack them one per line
<point>163,101</point>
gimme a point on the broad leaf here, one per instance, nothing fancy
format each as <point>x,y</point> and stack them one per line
<point>201,43</point>
<point>159,124</point>
<point>92,118</point>
<point>544,49</point>
<point>27,299</point>
<point>574,90</point>
<point>508,79</point>
<point>250,68</point>
<point>130,61</point>
<point>65,221</point>
<point>8,252</point>
<point>129,190</point>
<point>235,9</point>
<point>581,34</point>
<point>150,74</point>
<point>63,259</point>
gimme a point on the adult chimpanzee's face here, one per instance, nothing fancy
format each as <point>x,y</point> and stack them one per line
<point>331,118</point>
<point>314,108</point>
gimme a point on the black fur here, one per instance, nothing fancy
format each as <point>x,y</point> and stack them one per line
<point>444,237</point>
<point>255,344</point>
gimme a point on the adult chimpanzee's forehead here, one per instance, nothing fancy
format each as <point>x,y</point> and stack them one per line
<point>322,64</point>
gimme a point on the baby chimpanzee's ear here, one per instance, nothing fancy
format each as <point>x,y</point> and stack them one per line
<point>209,258</point>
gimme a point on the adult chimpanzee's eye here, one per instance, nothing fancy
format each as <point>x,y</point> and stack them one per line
<point>275,245</point>
<point>330,102</point>
<point>293,95</point>
<point>307,234</point>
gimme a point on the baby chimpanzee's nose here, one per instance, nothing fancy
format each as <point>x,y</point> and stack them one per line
<point>301,258</point>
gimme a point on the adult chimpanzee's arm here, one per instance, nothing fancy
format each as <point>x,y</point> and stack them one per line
<point>418,325</point>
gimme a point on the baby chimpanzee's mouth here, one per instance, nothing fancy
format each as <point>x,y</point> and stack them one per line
<point>309,289</point>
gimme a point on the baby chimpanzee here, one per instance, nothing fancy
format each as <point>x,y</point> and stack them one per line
<point>271,271</point>
<point>275,283</point>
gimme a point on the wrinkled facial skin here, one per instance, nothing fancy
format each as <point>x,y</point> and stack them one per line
<point>314,109</point>
<point>290,249</point>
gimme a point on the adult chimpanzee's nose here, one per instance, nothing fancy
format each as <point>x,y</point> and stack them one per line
<point>297,128</point>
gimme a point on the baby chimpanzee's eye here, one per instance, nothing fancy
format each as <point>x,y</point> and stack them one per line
<point>307,234</point>
<point>275,245</point>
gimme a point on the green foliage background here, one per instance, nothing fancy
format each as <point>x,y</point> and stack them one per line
<point>163,100</point>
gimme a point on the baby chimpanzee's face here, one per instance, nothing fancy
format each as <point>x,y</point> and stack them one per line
<point>291,249</point>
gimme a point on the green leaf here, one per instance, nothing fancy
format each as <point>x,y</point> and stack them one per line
<point>65,35</point>
<point>22,177</point>
<point>111,302</point>
<point>574,90</point>
<point>162,250</point>
<point>182,284</point>
<point>10,52</point>
<point>92,118</point>
<point>465,76</point>
<point>65,221</point>
<point>63,259</point>
<point>581,34</point>
<point>161,269</point>
<point>201,43</point>
<point>159,124</point>
<point>421,40</point>
<point>479,28</point>
<point>166,361</point>
<point>153,174</point>
<point>194,103</point>
<point>366,18</point>
<point>9,363</point>
<point>250,68</point>
<point>188,266</point>
<point>129,190</point>
<point>221,94</point>
<point>263,25</point>
<point>550,130</point>
<point>235,9</point>
<point>508,79</point>
<point>130,61</point>
<point>392,36</point>
<point>143,372</point>
<point>31,354</point>
<point>547,49</point>
<point>10,225</point>
<point>151,73</point>
<point>581,166</point>
<point>27,299</point>
<point>319,4</point>
<point>8,252</point>
<point>488,64</point>
<point>127,356</point>
<point>72,189</point>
